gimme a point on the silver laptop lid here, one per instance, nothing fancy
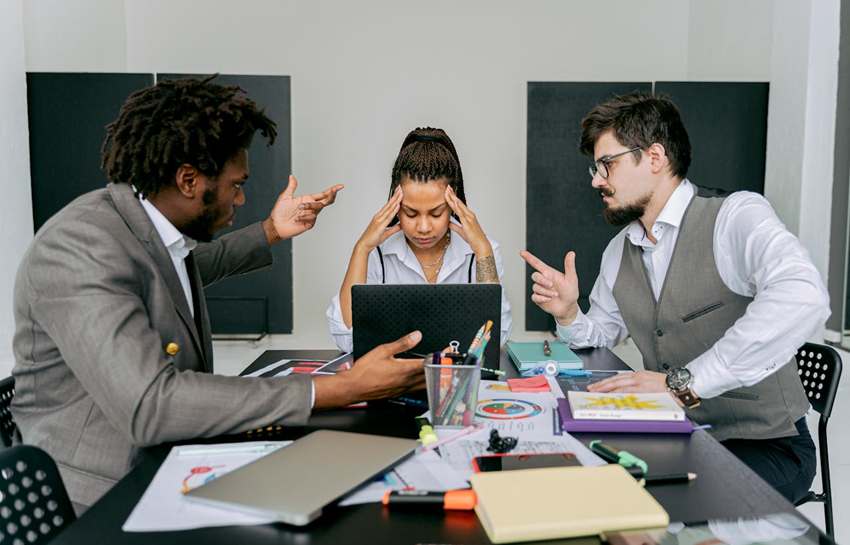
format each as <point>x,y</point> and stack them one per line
<point>294,483</point>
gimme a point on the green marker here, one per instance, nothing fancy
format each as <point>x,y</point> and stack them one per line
<point>625,459</point>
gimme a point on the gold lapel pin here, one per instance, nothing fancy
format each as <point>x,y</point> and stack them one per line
<point>172,348</point>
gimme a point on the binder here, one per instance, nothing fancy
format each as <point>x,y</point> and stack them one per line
<point>562,502</point>
<point>619,426</point>
<point>527,355</point>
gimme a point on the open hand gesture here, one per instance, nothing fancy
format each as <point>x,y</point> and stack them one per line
<point>293,215</point>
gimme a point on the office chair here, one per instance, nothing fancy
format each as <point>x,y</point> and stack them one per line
<point>33,503</point>
<point>7,423</point>
<point>819,368</point>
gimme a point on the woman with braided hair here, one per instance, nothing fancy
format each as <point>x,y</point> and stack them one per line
<point>424,233</point>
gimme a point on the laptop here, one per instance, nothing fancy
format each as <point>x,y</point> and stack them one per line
<point>295,483</point>
<point>383,313</point>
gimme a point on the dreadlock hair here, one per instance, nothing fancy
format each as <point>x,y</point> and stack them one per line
<point>180,121</point>
<point>428,154</point>
<point>640,120</point>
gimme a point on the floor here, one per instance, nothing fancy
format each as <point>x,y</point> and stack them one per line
<point>232,357</point>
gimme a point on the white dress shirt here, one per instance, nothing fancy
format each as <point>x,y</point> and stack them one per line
<point>177,244</point>
<point>402,267</point>
<point>755,256</point>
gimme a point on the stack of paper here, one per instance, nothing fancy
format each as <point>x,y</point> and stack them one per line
<point>528,355</point>
<point>553,503</point>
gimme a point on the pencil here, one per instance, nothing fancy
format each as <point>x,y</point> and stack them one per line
<point>670,479</point>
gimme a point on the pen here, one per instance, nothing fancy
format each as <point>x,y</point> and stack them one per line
<point>574,373</point>
<point>453,499</point>
<point>617,456</point>
<point>670,479</point>
<point>255,449</point>
<point>477,338</point>
<point>546,350</point>
<point>465,431</point>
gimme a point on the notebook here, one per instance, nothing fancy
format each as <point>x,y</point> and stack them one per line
<point>527,355</point>
<point>383,313</point>
<point>553,503</point>
<point>624,406</point>
<point>295,483</point>
<point>571,425</point>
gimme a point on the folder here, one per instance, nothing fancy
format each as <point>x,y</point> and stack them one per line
<point>527,355</point>
<point>571,425</point>
<point>562,502</point>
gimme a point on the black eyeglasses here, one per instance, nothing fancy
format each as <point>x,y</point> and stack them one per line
<point>600,166</point>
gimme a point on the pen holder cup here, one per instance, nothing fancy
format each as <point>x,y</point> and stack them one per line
<point>452,394</point>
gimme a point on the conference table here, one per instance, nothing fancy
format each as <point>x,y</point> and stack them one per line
<point>725,487</point>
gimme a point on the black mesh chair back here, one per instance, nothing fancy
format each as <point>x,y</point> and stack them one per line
<point>819,368</point>
<point>34,506</point>
<point>7,423</point>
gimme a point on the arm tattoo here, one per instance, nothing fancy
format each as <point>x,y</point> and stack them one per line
<point>485,271</point>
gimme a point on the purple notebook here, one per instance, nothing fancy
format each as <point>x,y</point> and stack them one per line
<point>570,424</point>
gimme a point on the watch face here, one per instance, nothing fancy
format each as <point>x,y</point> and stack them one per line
<point>678,379</point>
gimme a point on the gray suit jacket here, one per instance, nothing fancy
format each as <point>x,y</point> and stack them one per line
<point>97,301</point>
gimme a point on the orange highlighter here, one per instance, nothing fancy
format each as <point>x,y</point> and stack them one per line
<point>453,499</point>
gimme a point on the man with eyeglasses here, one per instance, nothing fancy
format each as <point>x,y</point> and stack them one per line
<point>715,292</point>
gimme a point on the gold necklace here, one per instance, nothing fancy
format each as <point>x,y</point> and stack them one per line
<point>434,275</point>
<point>446,247</point>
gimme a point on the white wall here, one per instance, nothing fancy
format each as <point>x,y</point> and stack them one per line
<point>801,122</point>
<point>365,73</point>
<point>16,204</point>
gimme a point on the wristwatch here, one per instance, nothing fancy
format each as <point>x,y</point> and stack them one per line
<point>679,382</point>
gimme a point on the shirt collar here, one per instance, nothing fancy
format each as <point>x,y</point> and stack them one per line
<point>176,242</point>
<point>671,215</point>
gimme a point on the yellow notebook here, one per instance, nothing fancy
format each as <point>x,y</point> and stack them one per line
<point>552,503</point>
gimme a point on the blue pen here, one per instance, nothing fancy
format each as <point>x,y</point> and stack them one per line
<point>575,373</point>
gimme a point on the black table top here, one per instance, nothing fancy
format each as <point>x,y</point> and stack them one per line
<point>725,488</point>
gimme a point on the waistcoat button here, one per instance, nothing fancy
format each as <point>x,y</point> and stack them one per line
<point>660,333</point>
<point>665,366</point>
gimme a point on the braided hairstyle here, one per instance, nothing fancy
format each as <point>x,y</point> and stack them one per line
<point>426,155</point>
<point>180,121</point>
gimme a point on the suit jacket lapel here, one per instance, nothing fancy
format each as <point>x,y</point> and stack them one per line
<point>131,210</point>
<point>202,318</point>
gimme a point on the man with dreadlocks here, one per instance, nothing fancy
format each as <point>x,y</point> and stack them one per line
<point>112,343</point>
<point>425,233</point>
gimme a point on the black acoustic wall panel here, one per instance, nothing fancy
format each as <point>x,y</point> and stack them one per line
<point>727,124</point>
<point>68,114</point>
<point>563,211</point>
<point>259,302</point>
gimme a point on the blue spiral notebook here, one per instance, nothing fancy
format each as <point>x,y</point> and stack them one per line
<point>527,355</point>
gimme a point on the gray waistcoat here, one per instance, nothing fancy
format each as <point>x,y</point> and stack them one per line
<point>694,310</point>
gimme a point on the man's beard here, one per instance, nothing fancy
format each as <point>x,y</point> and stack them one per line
<point>200,228</point>
<point>626,213</point>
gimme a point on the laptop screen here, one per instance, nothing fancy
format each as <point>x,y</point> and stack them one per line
<point>382,313</point>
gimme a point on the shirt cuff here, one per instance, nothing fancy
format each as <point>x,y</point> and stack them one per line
<point>711,378</point>
<point>312,394</point>
<point>573,332</point>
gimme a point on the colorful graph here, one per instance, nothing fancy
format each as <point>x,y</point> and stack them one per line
<point>507,409</point>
